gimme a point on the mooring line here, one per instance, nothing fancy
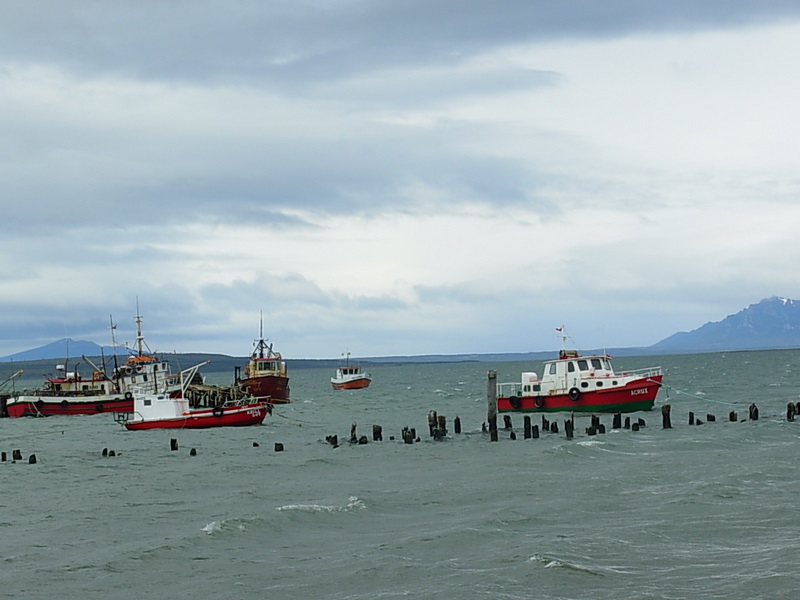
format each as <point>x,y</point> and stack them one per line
<point>696,396</point>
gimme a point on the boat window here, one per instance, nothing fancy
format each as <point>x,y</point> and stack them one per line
<point>526,388</point>
<point>147,402</point>
<point>596,363</point>
<point>571,367</point>
<point>599,384</point>
<point>583,365</point>
<point>537,387</point>
<point>552,369</point>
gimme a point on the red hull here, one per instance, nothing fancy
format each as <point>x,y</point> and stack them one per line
<point>357,384</point>
<point>637,395</point>
<point>59,406</point>
<point>240,416</point>
<point>276,387</point>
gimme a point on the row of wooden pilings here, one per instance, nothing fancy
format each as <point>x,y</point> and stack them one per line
<point>16,456</point>
<point>437,428</point>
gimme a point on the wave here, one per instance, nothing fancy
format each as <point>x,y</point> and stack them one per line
<point>353,503</point>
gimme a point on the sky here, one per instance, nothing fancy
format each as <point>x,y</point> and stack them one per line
<point>394,178</point>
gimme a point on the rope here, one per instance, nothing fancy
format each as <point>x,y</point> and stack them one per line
<point>696,396</point>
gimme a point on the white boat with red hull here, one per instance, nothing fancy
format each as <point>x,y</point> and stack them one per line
<point>350,377</point>
<point>575,383</point>
<point>69,393</point>
<point>170,409</point>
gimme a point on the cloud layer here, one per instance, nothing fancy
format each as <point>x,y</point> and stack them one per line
<point>394,178</point>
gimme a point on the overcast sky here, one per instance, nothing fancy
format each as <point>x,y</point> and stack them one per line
<point>405,177</point>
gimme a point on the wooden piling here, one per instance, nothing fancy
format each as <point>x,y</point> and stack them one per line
<point>408,436</point>
<point>491,401</point>
<point>732,416</point>
<point>377,433</point>
<point>507,422</point>
<point>791,411</point>
<point>32,459</point>
<point>526,427</point>
<point>193,452</point>
<point>431,422</point>
<point>753,412</point>
<point>617,422</point>
<point>457,424</point>
<point>173,444</point>
<point>711,418</point>
<point>627,423</point>
<point>691,418</point>
<point>353,438</point>
<point>16,454</point>
<point>569,428</point>
<point>278,447</point>
<point>666,422</point>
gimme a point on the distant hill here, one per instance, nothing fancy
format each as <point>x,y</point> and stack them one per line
<point>773,323</point>
<point>66,348</point>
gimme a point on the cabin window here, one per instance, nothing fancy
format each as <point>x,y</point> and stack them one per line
<point>584,384</point>
<point>571,367</point>
<point>526,388</point>
<point>583,365</point>
<point>614,382</point>
<point>537,387</point>
<point>552,369</point>
<point>596,363</point>
<point>599,384</point>
<point>147,402</point>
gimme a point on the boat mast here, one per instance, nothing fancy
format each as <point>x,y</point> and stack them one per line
<point>139,336</point>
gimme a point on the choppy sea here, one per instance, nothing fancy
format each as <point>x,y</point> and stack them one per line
<point>695,511</point>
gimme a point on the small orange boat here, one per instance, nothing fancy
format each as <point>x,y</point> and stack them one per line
<point>350,377</point>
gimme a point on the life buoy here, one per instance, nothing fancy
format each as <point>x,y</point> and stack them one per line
<point>64,404</point>
<point>574,394</point>
<point>139,368</point>
<point>515,402</point>
<point>128,396</point>
<point>217,411</point>
<point>128,370</point>
<point>99,407</point>
<point>538,402</point>
<point>39,404</point>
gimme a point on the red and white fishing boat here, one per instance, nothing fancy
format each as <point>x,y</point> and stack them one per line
<point>69,393</point>
<point>265,374</point>
<point>350,377</point>
<point>577,383</point>
<point>170,409</point>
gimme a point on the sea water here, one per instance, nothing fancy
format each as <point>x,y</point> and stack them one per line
<point>696,511</point>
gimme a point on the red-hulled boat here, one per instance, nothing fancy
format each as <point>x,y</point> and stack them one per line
<point>265,374</point>
<point>170,409</point>
<point>69,393</point>
<point>350,377</point>
<point>581,384</point>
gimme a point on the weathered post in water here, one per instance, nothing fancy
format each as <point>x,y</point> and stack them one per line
<point>790,411</point>
<point>753,412</point>
<point>526,427</point>
<point>666,422</point>
<point>491,400</point>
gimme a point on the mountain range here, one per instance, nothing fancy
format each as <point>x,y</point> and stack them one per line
<point>772,323</point>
